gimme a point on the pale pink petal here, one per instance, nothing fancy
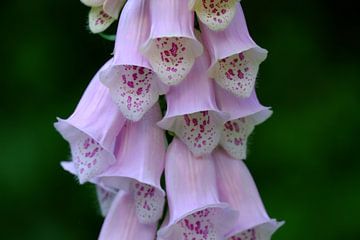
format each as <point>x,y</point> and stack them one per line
<point>172,46</point>
<point>140,162</point>
<point>113,7</point>
<point>235,57</point>
<point>245,114</point>
<point>93,3</point>
<point>195,211</point>
<point>192,112</point>
<point>237,188</point>
<point>122,223</point>
<point>99,20</point>
<point>234,136</point>
<point>132,83</point>
<point>91,131</point>
<point>105,199</point>
<point>216,14</point>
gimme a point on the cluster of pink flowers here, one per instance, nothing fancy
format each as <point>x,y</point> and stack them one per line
<point>117,132</point>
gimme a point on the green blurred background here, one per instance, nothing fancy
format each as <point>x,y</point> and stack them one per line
<point>304,159</point>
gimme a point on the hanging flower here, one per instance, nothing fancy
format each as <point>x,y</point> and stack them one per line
<point>133,85</point>
<point>216,14</point>
<point>121,221</point>
<point>192,113</point>
<point>103,13</point>
<point>237,188</point>
<point>244,115</point>
<point>91,131</point>
<point>195,210</point>
<point>235,57</point>
<point>140,156</point>
<point>172,46</point>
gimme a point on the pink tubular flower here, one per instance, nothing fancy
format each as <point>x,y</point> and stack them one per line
<point>103,13</point>
<point>105,199</point>
<point>192,112</point>
<point>91,131</point>
<point>172,46</point>
<point>122,223</point>
<point>216,14</point>
<point>235,57</point>
<point>140,154</point>
<point>133,85</point>
<point>237,188</point>
<point>195,211</point>
<point>245,114</point>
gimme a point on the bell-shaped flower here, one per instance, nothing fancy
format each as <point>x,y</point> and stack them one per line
<point>235,57</point>
<point>140,154</point>
<point>195,211</point>
<point>192,112</point>
<point>245,114</point>
<point>133,86</point>
<point>172,46</point>
<point>91,131</point>
<point>237,188</point>
<point>105,199</point>
<point>122,223</point>
<point>103,13</point>
<point>216,14</point>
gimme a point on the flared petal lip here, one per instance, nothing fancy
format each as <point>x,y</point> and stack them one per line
<point>69,167</point>
<point>166,230</point>
<point>197,47</point>
<point>64,125</point>
<point>260,56</point>
<point>273,224</point>
<point>162,89</point>
<point>126,182</point>
<point>169,119</point>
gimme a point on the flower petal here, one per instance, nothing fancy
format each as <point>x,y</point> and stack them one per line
<point>171,58</point>
<point>122,223</point>
<point>149,202</point>
<point>237,74</point>
<point>91,131</point>
<point>134,90</point>
<point>140,162</point>
<point>99,20</point>
<point>172,46</point>
<point>234,136</point>
<point>200,131</point>
<point>245,114</point>
<point>113,7</point>
<point>216,14</point>
<point>133,85</point>
<point>105,199</point>
<point>235,57</point>
<point>195,211</point>
<point>237,188</point>
<point>93,3</point>
<point>192,112</point>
